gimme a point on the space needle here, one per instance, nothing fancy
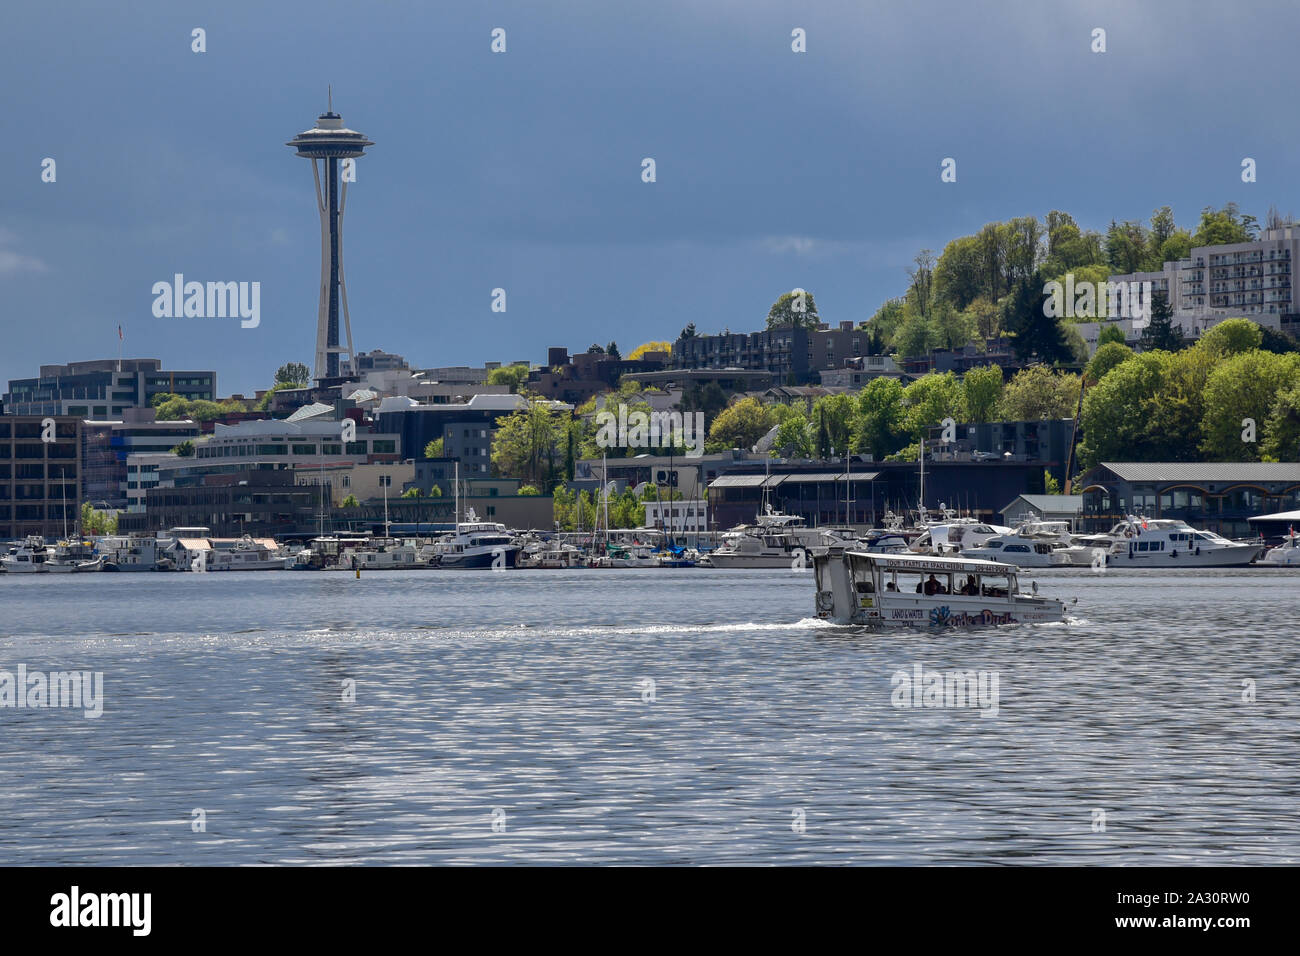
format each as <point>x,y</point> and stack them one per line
<point>330,141</point>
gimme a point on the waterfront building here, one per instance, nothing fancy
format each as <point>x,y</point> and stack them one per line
<point>1043,508</point>
<point>686,516</point>
<point>106,445</point>
<point>258,501</point>
<point>466,429</point>
<point>103,389</point>
<point>40,481</point>
<point>1218,496</point>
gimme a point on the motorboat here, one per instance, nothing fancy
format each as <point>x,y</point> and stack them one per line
<point>74,556</point>
<point>1171,543</point>
<point>632,556</point>
<point>758,547</point>
<point>1285,555</point>
<point>30,557</point>
<point>954,534</point>
<point>861,587</point>
<point>1035,544</point>
<point>476,545</point>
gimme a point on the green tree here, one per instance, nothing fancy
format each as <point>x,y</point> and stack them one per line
<point>929,400</point>
<point>513,376</point>
<point>981,393</point>
<point>1107,357</point>
<point>1116,408</point>
<point>434,449</point>
<point>1110,332</point>
<point>530,443</point>
<point>879,426</point>
<point>1231,337</point>
<point>185,449</point>
<point>350,502</point>
<point>528,491</point>
<point>293,375</point>
<point>740,425</point>
<point>1221,227</point>
<point>1161,333</point>
<point>97,522</point>
<point>795,308</point>
<point>1241,387</point>
<point>412,493</point>
<point>795,438</point>
<point>1038,392</point>
<point>1282,431</point>
<point>1037,334</point>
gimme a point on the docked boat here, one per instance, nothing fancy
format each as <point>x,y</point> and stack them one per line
<point>953,534</point>
<point>1170,543</point>
<point>757,547</point>
<point>1034,544</point>
<point>859,587</point>
<point>1285,555</point>
<point>477,545</point>
<point>30,557</point>
<point>74,556</point>
<point>324,553</point>
<point>383,554</point>
<point>248,554</point>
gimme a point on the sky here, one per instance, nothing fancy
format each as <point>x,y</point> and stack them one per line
<point>522,170</point>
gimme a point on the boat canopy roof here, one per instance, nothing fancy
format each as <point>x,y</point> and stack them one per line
<point>923,563</point>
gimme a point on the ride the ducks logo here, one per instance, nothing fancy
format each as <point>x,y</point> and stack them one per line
<point>922,688</point>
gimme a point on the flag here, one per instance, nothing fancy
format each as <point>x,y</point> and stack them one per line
<point>119,333</point>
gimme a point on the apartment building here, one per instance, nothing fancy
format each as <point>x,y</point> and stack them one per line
<point>104,388</point>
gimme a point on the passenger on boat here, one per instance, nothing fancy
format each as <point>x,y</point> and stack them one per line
<point>933,586</point>
<point>970,588</point>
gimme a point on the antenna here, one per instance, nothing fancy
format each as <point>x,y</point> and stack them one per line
<point>330,89</point>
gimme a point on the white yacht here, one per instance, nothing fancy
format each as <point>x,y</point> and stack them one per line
<point>133,552</point>
<point>1285,555</point>
<point>954,534</point>
<point>477,544</point>
<point>383,554</point>
<point>1035,544</point>
<point>858,587</point>
<point>1169,543</point>
<point>27,558</point>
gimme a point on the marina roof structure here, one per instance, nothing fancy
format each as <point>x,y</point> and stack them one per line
<point>1204,471</point>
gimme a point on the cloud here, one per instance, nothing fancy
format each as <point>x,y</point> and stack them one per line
<point>15,263</point>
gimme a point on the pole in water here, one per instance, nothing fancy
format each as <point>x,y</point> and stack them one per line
<point>358,574</point>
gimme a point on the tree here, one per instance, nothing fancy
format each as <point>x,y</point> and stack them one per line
<point>887,319</point>
<point>1110,332</point>
<point>688,332</point>
<point>1116,409</point>
<point>1050,485</point>
<point>185,449</point>
<point>434,449</point>
<point>1241,387</point>
<point>596,349</point>
<point>176,408</point>
<point>795,308</point>
<point>981,393</point>
<point>1231,337</point>
<point>265,404</point>
<point>795,438</point>
<point>739,425</point>
<point>528,491</point>
<point>1282,431</point>
<point>412,493</point>
<point>293,375</point>
<point>1162,333</point>
<point>929,400</point>
<point>612,351</point>
<point>97,522</point>
<point>1038,392</point>
<point>832,418</point>
<point>1221,227</point>
<point>513,376</point>
<point>645,347</point>
<point>350,502</point>
<point>1106,358</point>
<point>879,427</point>
<point>529,443</point>
<point>1037,334</point>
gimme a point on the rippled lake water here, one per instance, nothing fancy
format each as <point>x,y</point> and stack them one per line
<point>507,718</point>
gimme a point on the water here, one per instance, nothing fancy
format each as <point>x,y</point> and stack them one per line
<point>523,692</point>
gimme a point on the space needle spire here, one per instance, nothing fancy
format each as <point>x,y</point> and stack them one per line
<point>329,141</point>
